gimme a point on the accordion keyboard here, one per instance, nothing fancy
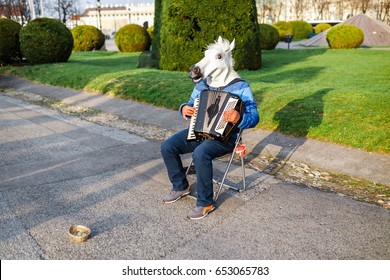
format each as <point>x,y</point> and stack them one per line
<point>221,123</point>
<point>191,134</point>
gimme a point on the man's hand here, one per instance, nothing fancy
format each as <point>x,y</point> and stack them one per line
<point>231,116</point>
<point>187,111</point>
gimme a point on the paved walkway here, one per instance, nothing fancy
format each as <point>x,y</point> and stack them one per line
<point>57,170</point>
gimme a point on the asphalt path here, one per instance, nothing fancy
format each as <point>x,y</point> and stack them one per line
<point>57,171</point>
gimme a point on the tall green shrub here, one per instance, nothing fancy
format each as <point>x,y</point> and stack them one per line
<point>157,25</point>
<point>284,28</point>
<point>9,40</point>
<point>345,36</point>
<point>46,40</point>
<point>132,38</point>
<point>269,37</point>
<point>189,26</point>
<point>301,29</point>
<point>87,38</point>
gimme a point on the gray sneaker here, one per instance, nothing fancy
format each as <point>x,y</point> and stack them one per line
<point>174,196</point>
<point>199,212</point>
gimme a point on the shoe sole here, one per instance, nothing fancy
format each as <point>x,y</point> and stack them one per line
<point>198,218</point>
<point>179,197</point>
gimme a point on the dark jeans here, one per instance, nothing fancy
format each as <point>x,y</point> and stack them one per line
<point>203,154</point>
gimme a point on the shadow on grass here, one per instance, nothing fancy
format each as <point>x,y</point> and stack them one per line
<point>278,58</point>
<point>296,119</point>
<point>293,76</point>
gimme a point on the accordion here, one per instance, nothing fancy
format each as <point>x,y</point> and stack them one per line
<point>207,122</point>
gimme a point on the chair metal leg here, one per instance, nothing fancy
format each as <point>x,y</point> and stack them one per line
<point>243,179</point>
<point>228,167</point>
<point>243,174</point>
<point>187,171</point>
<point>224,177</point>
<point>189,166</point>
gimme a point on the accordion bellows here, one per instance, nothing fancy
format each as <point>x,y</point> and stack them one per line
<point>207,122</point>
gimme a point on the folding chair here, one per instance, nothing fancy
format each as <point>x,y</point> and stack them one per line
<point>238,149</point>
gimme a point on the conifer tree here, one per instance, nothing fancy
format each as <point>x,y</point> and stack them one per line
<point>187,27</point>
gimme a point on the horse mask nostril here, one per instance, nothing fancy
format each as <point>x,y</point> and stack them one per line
<point>196,70</point>
<point>195,73</point>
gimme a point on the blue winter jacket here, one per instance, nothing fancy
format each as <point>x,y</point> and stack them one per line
<point>241,88</point>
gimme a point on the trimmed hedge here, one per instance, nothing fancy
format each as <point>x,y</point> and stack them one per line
<point>9,41</point>
<point>321,27</point>
<point>132,38</point>
<point>87,38</point>
<point>301,29</point>
<point>46,40</point>
<point>269,36</point>
<point>284,28</point>
<point>345,36</point>
<point>187,27</point>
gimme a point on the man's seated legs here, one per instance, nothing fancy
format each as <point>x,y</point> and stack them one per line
<point>171,150</point>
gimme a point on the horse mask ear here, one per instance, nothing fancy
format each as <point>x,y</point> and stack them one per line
<point>232,45</point>
<point>219,40</point>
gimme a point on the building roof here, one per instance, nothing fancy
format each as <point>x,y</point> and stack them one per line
<point>376,33</point>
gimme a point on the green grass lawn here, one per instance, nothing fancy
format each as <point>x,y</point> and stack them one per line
<point>339,96</point>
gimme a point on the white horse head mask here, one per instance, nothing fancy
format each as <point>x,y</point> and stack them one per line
<point>216,66</point>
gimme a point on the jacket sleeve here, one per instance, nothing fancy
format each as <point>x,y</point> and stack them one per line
<point>251,116</point>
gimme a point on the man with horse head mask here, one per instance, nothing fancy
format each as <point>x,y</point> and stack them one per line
<point>214,72</point>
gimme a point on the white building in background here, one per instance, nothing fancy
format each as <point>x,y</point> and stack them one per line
<point>315,11</point>
<point>113,17</point>
<point>110,18</point>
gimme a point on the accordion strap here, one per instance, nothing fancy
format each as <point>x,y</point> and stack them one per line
<point>229,84</point>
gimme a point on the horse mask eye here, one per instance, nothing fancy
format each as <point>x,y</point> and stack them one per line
<point>218,56</point>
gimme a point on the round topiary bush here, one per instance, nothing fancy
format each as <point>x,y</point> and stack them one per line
<point>321,27</point>
<point>87,38</point>
<point>301,29</point>
<point>284,28</point>
<point>45,40</point>
<point>132,38</point>
<point>269,36</point>
<point>9,40</point>
<point>345,36</point>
